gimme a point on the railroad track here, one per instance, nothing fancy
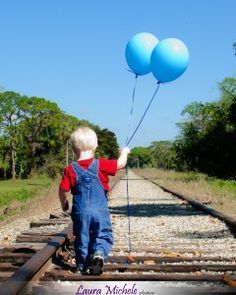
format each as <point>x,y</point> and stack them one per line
<point>174,244</point>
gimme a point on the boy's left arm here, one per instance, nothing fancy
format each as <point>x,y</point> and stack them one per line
<point>64,189</point>
<point>63,195</point>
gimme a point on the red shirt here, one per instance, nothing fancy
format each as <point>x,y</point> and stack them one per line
<point>106,167</point>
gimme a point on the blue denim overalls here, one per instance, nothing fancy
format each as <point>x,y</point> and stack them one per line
<point>90,215</point>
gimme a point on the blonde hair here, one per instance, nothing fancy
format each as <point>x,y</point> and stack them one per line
<point>83,139</point>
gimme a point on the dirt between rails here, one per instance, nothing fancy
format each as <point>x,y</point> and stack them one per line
<point>194,190</point>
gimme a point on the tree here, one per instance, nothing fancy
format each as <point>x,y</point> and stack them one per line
<point>10,116</point>
<point>161,151</point>
<point>34,136</point>
<point>4,157</point>
<point>37,129</point>
<point>140,157</point>
<point>67,125</point>
<point>107,143</point>
<point>208,133</point>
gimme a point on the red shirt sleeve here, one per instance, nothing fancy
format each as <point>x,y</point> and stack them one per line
<point>68,179</point>
<point>108,166</point>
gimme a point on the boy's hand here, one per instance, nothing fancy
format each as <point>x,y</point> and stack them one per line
<point>63,199</point>
<point>125,150</point>
<point>122,160</point>
<point>65,205</point>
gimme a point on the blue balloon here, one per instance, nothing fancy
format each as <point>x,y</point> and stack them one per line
<point>169,60</point>
<point>138,53</point>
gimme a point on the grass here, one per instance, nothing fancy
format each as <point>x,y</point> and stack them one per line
<point>219,194</point>
<point>185,176</point>
<point>21,190</point>
<point>223,185</point>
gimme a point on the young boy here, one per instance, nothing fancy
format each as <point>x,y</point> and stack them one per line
<point>87,179</point>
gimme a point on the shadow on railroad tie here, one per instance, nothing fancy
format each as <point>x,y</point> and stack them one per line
<point>217,234</point>
<point>151,210</point>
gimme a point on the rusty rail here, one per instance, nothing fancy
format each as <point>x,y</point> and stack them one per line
<point>33,268</point>
<point>231,222</point>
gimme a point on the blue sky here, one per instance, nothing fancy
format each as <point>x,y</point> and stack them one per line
<point>72,52</point>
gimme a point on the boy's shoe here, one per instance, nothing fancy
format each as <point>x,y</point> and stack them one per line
<point>96,264</point>
<point>83,271</point>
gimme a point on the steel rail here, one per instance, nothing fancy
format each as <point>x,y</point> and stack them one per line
<point>19,282</point>
<point>24,277</point>
<point>231,222</point>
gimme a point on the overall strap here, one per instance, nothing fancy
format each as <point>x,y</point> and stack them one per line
<point>92,171</point>
<point>77,169</point>
<point>94,166</point>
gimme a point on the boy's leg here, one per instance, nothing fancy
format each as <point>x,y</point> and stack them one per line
<point>81,231</point>
<point>101,241</point>
<point>101,234</point>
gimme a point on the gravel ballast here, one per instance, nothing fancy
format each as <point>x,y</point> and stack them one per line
<point>158,217</point>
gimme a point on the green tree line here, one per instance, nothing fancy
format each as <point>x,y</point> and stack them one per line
<point>206,141</point>
<point>34,135</point>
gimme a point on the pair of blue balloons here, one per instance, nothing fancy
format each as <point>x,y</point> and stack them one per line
<point>167,59</point>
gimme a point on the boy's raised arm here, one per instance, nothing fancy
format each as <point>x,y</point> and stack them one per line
<point>122,160</point>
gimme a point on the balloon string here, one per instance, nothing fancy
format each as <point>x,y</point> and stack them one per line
<point>128,140</point>
<point>143,116</point>
<point>132,106</point>
<point>133,96</point>
<point>126,167</point>
<point>128,209</point>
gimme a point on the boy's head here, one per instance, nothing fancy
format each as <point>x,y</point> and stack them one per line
<point>83,139</point>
